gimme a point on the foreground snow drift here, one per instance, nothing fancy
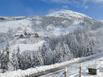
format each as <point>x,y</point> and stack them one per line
<point>46,69</point>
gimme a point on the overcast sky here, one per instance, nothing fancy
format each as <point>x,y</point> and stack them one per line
<point>93,8</point>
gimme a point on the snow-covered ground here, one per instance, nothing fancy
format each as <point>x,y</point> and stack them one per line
<point>27,47</point>
<point>67,14</point>
<point>71,67</point>
<point>98,64</point>
<point>5,26</point>
<point>73,70</point>
<point>62,23</point>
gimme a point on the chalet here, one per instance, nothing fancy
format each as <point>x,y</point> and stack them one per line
<point>20,34</point>
<point>36,35</point>
<point>26,34</point>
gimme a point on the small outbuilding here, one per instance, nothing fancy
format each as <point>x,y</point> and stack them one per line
<point>92,70</point>
<point>20,34</point>
<point>36,35</point>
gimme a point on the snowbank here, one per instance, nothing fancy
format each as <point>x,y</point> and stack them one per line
<point>46,69</point>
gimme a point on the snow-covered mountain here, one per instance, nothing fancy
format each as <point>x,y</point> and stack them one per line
<point>68,14</point>
<point>56,37</point>
<point>54,24</point>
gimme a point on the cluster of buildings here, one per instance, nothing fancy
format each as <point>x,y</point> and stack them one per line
<point>26,33</point>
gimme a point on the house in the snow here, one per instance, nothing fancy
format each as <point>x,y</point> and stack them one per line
<point>20,34</point>
<point>26,33</point>
<point>36,35</point>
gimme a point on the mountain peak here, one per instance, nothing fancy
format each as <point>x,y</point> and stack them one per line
<point>67,14</point>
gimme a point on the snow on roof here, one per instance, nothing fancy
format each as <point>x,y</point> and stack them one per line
<point>22,30</point>
<point>19,33</point>
<point>93,66</point>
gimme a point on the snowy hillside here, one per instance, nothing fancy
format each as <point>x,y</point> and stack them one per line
<point>13,24</point>
<point>68,14</point>
<point>27,42</point>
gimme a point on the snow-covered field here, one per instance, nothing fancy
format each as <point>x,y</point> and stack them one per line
<point>28,47</point>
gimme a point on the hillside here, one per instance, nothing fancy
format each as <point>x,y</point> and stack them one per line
<point>27,42</point>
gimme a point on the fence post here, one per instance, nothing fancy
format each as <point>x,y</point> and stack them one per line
<point>80,70</point>
<point>65,72</point>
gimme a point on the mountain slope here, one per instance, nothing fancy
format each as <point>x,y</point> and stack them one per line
<point>68,14</point>
<point>43,40</point>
